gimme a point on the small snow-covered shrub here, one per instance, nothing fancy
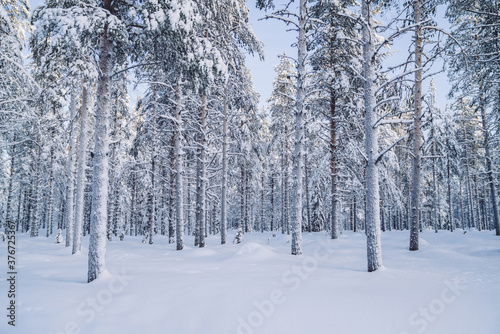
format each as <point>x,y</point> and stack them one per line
<point>238,237</point>
<point>59,238</point>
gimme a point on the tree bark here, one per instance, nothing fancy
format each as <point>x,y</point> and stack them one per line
<point>8,209</point>
<point>172,192</point>
<point>489,172</point>
<point>80,181</point>
<point>372,215</point>
<point>450,209</point>
<point>333,164</point>
<point>299,134</point>
<point>223,211</point>
<point>98,218</point>
<point>417,133</point>
<point>200,174</point>
<point>70,171</point>
<point>179,168</point>
<point>272,205</point>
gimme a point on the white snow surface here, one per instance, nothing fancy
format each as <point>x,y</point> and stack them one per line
<point>451,285</point>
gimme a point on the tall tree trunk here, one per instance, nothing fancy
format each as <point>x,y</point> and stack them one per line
<point>489,171</point>
<point>179,169</point>
<point>450,209</point>
<point>223,210</point>
<point>188,204</point>
<point>19,205</point>
<point>272,204</point>
<point>434,186</point>
<point>8,209</point>
<point>133,214</point>
<point>462,214</point>
<point>172,192</point>
<point>372,213</point>
<point>242,198</point>
<point>354,215</point>
<point>476,202</point>
<point>50,200</point>
<point>472,219</point>
<point>200,172</point>
<point>80,180</point>
<point>26,208</point>
<point>262,192</point>
<point>98,217</point>
<point>299,135</point>
<point>248,225</point>
<point>333,164</point>
<point>417,132</point>
<point>36,205</point>
<point>70,172</point>
<point>153,171</point>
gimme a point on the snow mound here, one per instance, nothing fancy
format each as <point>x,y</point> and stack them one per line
<point>423,242</point>
<point>254,251</point>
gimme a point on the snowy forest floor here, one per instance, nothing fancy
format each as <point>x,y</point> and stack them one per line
<point>452,285</point>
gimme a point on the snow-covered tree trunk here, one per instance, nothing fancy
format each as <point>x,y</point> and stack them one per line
<point>172,191</point>
<point>333,164</point>
<point>70,172</point>
<point>472,218</point>
<point>19,206</point>
<point>179,165</point>
<point>417,131</point>
<point>223,210</point>
<point>80,179</point>
<point>99,213</point>
<point>35,203</point>
<point>8,207</point>
<point>299,134</point>
<point>460,195</point>
<point>188,204</point>
<point>200,173</point>
<point>354,215</point>
<point>248,225</point>
<point>372,213</point>
<point>489,172</point>
<point>262,191</point>
<point>308,204</point>
<point>242,196</point>
<point>153,170</point>
<point>133,204</point>
<point>450,207</point>
<point>476,200</point>
<point>272,204</point>
<point>434,189</point>
<point>50,200</point>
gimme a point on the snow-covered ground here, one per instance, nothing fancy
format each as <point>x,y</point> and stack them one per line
<point>452,285</point>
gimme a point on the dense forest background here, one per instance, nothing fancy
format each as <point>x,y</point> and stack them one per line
<point>342,144</point>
